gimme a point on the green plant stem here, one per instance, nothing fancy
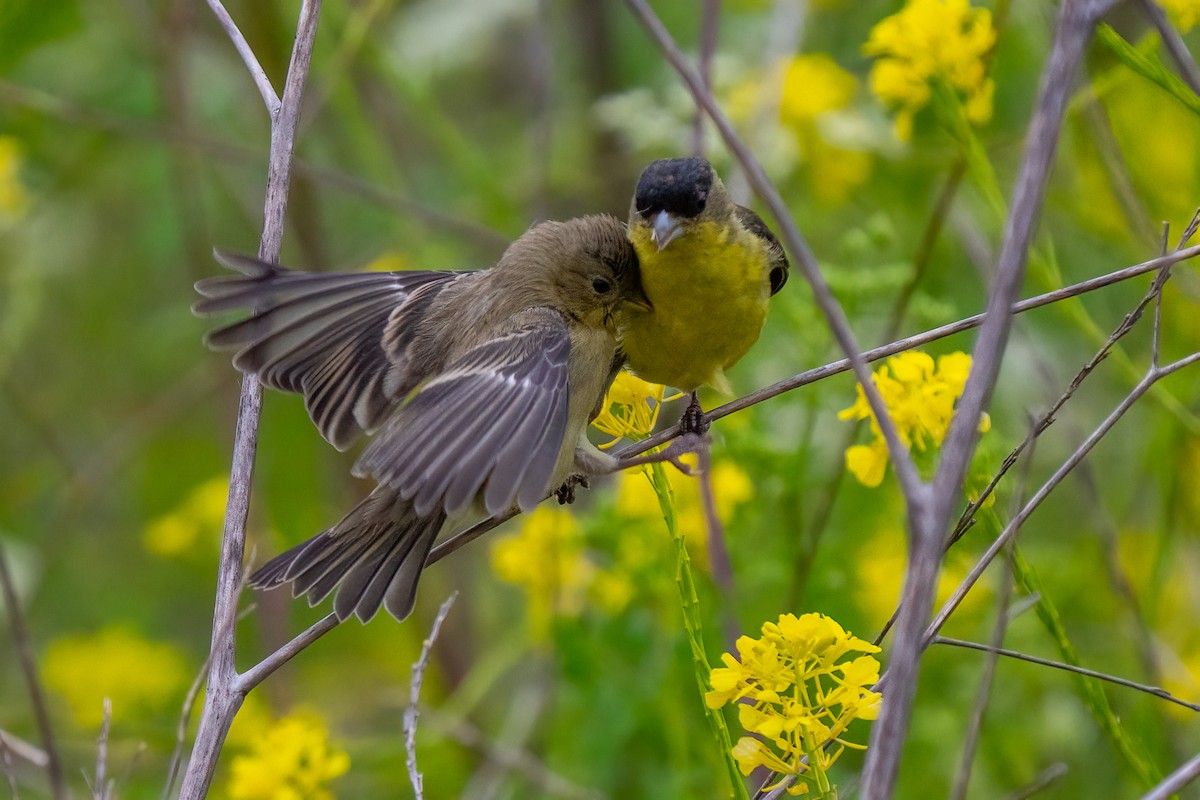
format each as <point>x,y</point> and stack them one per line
<point>689,603</point>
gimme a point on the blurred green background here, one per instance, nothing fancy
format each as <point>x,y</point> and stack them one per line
<point>132,141</point>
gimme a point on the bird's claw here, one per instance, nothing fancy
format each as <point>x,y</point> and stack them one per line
<point>566,492</point>
<point>694,420</point>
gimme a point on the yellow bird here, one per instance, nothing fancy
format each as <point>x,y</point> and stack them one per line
<point>708,267</point>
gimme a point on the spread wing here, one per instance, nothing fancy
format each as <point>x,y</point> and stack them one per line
<point>492,422</point>
<point>320,334</point>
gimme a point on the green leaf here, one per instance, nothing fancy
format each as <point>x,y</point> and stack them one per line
<point>1148,66</point>
<point>1090,690</point>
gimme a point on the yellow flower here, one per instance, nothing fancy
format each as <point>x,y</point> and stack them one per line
<point>797,694</point>
<point>291,760</point>
<point>1184,13</point>
<point>630,409</point>
<point>139,676</point>
<point>927,42</point>
<point>200,517</point>
<point>813,85</point>
<point>14,198</point>
<point>920,395</point>
<point>545,558</point>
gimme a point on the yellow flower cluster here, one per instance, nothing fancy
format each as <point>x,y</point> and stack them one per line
<point>630,409</point>
<point>1184,13</point>
<point>932,42</point>
<point>546,559</point>
<point>139,676</point>
<point>200,515</point>
<point>291,760</point>
<point>802,696</point>
<point>14,198</point>
<point>814,86</point>
<point>920,398</point>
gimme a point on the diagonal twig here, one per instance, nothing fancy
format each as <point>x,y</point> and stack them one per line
<point>1050,484</point>
<point>251,61</point>
<point>816,374</point>
<point>794,242</point>
<point>928,522</point>
<point>962,779</point>
<point>1178,779</point>
<point>1156,691</point>
<point>1174,43</point>
<point>411,713</point>
<point>37,698</point>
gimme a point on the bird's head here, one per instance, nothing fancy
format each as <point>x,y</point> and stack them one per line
<point>672,195</point>
<point>587,266</point>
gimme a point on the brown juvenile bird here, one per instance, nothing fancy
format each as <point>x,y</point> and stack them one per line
<point>708,266</point>
<point>478,387</point>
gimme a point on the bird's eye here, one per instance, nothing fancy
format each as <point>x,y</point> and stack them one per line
<point>602,285</point>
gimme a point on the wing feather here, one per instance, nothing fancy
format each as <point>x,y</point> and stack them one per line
<point>322,335</point>
<point>510,393</point>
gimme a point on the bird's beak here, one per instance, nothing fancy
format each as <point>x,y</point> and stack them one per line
<point>640,302</point>
<point>664,229</point>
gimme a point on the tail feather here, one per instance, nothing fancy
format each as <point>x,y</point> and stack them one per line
<point>373,557</point>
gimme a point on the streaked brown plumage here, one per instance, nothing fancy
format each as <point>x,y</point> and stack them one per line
<point>478,387</point>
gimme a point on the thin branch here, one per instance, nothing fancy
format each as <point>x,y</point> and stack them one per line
<point>1126,325</point>
<point>511,758</point>
<point>6,762</point>
<point>1174,43</point>
<point>102,790</point>
<point>962,779</point>
<point>1178,779</point>
<point>1156,335</point>
<point>189,702</point>
<point>223,697</point>
<point>918,340</point>
<point>1156,691</point>
<point>827,496</point>
<point>484,239</point>
<point>23,749</point>
<point>1051,483</point>
<point>780,788</point>
<point>259,672</point>
<point>37,698</point>
<point>1047,776</point>
<point>270,99</point>
<point>811,376</point>
<point>718,552</point>
<point>414,694</point>
<point>802,255</point>
<point>928,521</point>
<point>710,18</point>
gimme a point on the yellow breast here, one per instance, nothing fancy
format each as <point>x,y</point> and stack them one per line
<point>709,289</point>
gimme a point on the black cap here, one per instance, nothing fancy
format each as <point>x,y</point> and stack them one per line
<point>678,186</point>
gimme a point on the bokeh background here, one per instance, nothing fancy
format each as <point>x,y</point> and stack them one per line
<point>132,142</point>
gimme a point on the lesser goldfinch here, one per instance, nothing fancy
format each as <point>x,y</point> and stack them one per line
<point>708,267</point>
<point>481,386</point>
